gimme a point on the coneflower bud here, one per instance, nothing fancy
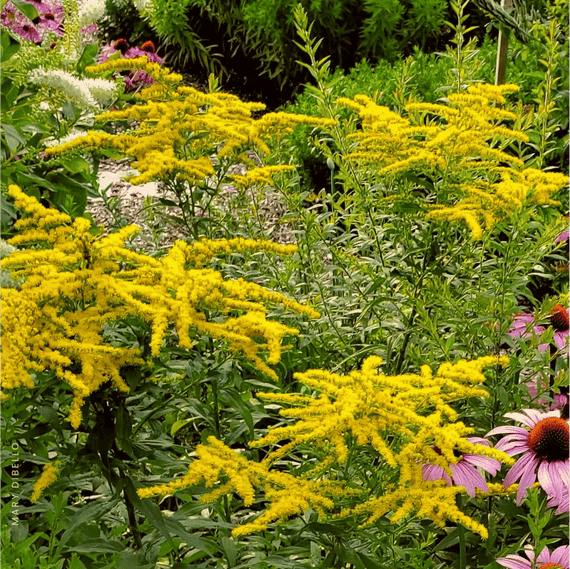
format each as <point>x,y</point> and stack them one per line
<point>148,46</point>
<point>559,318</point>
<point>121,45</point>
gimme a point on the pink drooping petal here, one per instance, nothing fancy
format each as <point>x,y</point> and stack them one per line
<point>512,448</point>
<point>528,478</point>
<point>514,562</point>
<point>508,429</point>
<point>560,339</point>
<point>491,465</point>
<point>479,441</point>
<point>563,469</point>
<point>561,556</point>
<point>432,472</point>
<point>546,481</point>
<point>518,469</point>
<point>507,442</point>
<point>469,477</point>
<point>529,420</point>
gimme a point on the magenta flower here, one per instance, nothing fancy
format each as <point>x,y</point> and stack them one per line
<point>562,237</point>
<point>50,20</point>
<point>558,321</point>
<point>465,472</point>
<point>543,443</point>
<point>28,32</point>
<point>560,399</point>
<point>558,559</point>
<point>135,78</point>
<point>559,502</point>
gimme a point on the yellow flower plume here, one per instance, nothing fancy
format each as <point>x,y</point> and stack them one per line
<point>73,283</point>
<point>47,477</point>
<point>368,408</point>
<point>457,141</point>
<point>182,133</point>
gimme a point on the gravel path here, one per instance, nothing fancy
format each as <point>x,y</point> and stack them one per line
<point>125,204</point>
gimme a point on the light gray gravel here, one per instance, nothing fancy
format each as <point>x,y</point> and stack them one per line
<point>125,204</point>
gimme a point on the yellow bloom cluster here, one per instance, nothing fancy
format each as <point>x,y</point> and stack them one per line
<point>433,500</point>
<point>47,477</point>
<point>74,283</point>
<point>160,74</point>
<point>183,132</point>
<point>367,404</point>
<point>386,412</point>
<point>259,176</point>
<point>287,495</point>
<point>462,144</point>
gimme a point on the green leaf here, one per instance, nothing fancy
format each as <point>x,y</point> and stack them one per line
<point>27,9</point>
<point>87,57</point>
<point>242,407</point>
<point>13,137</point>
<point>26,179</point>
<point>98,545</point>
<point>69,111</point>
<point>230,550</point>
<point>8,212</point>
<point>147,508</point>
<point>93,511</point>
<point>76,164</point>
<point>76,563</point>
<point>368,562</point>
<point>179,530</point>
<point>19,532</point>
<point>5,103</point>
<point>9,47</point>
<point>449,541</point>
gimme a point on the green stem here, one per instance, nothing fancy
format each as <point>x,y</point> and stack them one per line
<point>133,521</point>
<point>461,534</point>
<point>216,407</point>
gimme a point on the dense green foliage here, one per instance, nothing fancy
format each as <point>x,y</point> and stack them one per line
<point>388,277</point>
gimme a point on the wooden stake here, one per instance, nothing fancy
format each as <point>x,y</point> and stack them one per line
<point>502,49</point>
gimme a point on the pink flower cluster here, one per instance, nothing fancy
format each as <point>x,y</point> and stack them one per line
<point>134,79</point>
<point>49,22</point>
<point>558,320</point>
<point>557,559</point>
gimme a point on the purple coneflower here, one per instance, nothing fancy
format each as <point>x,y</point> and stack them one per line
<point>562,237</point>
<point>49,22</point>
<point>560,502</point>
<point>558,559</point>
<point>543,443</point>
<point>28,32</point>
<point>148,47</point>
<point>465,472</point>
<point>144,51</point>
<point>560,400</point>
<point>558,320</point>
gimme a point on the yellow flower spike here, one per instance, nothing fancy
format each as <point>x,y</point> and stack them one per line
<point>463,135</point>
<point>153,69</point>
<point>180,129</point>
<point>364,406</point>
<point>286,494</point>
<point>74,283</point>
<point>47,477</point>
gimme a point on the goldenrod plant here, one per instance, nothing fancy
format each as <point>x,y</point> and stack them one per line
<point>403,418</point>
<point>189,140</point>
<point>337,399</point>
<point>74,284</point>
